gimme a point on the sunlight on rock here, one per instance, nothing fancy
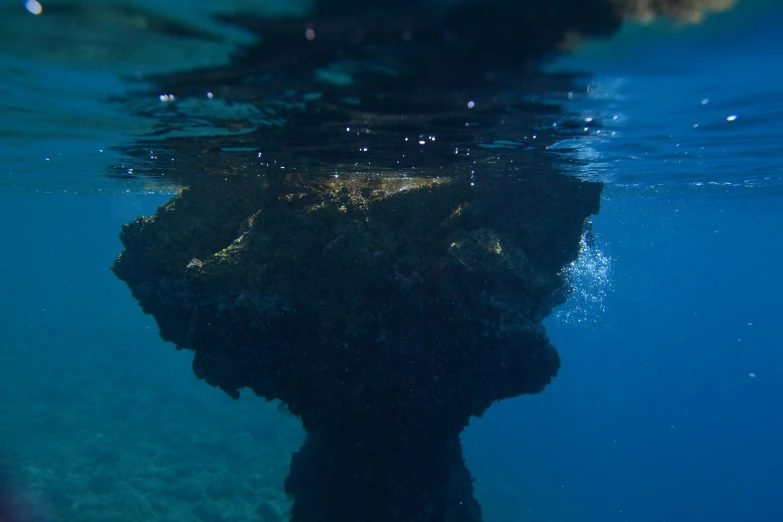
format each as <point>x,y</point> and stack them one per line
<point>687,11</point>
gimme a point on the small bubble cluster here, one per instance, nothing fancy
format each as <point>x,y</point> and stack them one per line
<point>590,276</point>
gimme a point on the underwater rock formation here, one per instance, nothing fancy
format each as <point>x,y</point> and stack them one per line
<point>383,313</point>
<point>386,307</point>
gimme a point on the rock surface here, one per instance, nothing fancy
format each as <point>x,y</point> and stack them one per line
<point>383,312</point>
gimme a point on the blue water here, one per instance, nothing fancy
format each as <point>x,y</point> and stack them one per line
<point>654,415</point>
<point>666,408</point>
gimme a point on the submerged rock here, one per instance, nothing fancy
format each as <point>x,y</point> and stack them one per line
<point>400,288</point>
<point>383,312</point>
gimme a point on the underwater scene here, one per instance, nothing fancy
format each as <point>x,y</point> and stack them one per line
<point>391,260</point>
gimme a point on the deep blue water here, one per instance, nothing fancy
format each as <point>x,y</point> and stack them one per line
<point>654,415</point>
<point>667,406</point>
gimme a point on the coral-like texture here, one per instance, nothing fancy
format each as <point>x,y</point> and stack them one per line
<point>383,313</point>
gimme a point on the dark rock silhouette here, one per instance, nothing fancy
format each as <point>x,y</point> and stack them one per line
<point>383,310</point>
<point>384,315</point>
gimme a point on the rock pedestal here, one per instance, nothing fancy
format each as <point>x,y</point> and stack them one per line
<point>384,312</point>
